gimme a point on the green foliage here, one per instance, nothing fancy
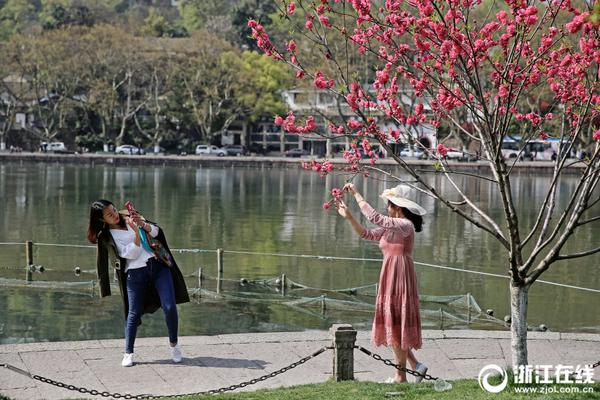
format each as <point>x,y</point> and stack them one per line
<point>195,14</point>
<point>263,78</point>
<point>15,17</point>
<point>463,389</point>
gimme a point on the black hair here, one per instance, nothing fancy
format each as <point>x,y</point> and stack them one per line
<point>96,219</point>
<point>417,220</point>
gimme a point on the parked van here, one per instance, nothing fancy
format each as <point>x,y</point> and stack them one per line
<point>534,150</point>
<point>207,149</point>
<point>53,146</point>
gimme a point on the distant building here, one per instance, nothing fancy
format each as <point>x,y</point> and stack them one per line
<point>322,105</point>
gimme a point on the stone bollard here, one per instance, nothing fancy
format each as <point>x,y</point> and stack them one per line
<point>343,337</point>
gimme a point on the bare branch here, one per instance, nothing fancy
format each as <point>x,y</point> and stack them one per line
<point>577,255</point>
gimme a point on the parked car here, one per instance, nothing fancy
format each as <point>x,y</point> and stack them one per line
<point>129,149</point>
<point>210,149</point>
<point>53,146</point>
<point>297,152</point>
<point>417,153</point>
<point>235,150</point>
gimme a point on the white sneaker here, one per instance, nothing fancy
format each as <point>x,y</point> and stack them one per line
<point>421,369</point>
<point>127,360</point>
<point>176,354</point>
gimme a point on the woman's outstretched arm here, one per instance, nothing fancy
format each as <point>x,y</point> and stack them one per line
<point>342,209</point>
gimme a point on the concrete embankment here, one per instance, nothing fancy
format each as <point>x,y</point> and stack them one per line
<point>212,362</point>
<point>193,161</point>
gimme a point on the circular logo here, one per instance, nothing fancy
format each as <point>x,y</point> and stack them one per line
<point>489,371</point>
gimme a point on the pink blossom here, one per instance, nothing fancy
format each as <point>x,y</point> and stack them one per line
<point>321,82</point>
<point>442,150</point>
<point>502,91</point>
<point>291,8</point>
<point>501,16</point>
<point>291,46</point>
<point>336,193</point>
<point>577,22</point>
<point>596,135</point>
<point>326,206</point>
<point>300,74</point>
<point>278,120</point>
<point>354,124</point>
<point>252,23</point>
<point>309,24</point>
<point>325,21</point>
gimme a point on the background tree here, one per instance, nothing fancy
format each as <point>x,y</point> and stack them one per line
<point>485,66</point>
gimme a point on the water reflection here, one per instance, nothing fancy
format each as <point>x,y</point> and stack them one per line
<point>261,210</point>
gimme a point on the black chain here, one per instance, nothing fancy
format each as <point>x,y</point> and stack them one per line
<point>391,364</point>
<point>595,365</point>
<point>149,396</point>
<point>262,378</point>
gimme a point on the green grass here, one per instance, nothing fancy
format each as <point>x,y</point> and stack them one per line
<point>463,389</point>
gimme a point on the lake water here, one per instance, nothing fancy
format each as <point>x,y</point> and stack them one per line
<point>275,213</point>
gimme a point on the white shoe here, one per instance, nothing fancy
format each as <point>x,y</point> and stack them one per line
<point>127,360</point>
<point>176,354</point>
<point>421,369</point>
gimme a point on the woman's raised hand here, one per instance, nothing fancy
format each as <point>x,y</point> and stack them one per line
<point>349,187</point>
<point>342,208</point>
<point>137,219</point>
<point>131,223</point>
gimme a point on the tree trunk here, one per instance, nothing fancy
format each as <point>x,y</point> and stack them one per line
<point>518,326</point>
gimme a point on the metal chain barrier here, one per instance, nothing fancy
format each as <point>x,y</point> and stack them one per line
<point>149,396</point>
<point>391,364</point>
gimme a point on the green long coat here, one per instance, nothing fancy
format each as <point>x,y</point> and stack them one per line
<point>107,255</point>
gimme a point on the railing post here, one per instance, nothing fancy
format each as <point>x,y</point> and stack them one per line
<point>29,260</point>
<point>343,337</point>
<point>219,270</point>
<point>199,281</point>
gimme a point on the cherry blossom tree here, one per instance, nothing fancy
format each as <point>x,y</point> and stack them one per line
<point>484,59</point>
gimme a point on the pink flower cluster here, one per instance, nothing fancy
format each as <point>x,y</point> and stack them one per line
<point>442,150</point>
<point>289,124</point>
<point>262,39</point>
<point>323,168</point>
<point>320,81</point>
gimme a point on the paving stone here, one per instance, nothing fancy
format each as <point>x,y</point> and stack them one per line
<point>470,348</point>
<point>211,362</point>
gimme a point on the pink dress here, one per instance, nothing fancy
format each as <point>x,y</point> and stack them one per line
<point>397,321</point>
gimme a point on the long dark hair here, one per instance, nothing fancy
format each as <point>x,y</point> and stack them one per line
<point>96,219</point>
<point>417,220</point>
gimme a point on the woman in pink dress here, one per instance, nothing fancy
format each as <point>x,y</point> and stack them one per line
<point>397,323</point>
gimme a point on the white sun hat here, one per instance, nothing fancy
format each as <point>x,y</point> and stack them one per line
<point>399,195</point>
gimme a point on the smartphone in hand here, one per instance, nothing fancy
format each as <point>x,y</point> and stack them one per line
<point>130,208</point>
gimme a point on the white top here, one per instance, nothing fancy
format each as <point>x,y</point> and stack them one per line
<point>135,255</point>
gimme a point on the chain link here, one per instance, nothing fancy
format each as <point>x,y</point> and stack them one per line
<point>262,378</point>
<point>391,364</point>
<point>595,365</point>
<point>149,396</point>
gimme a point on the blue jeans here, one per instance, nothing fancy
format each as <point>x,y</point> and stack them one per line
<point>138,281</point>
